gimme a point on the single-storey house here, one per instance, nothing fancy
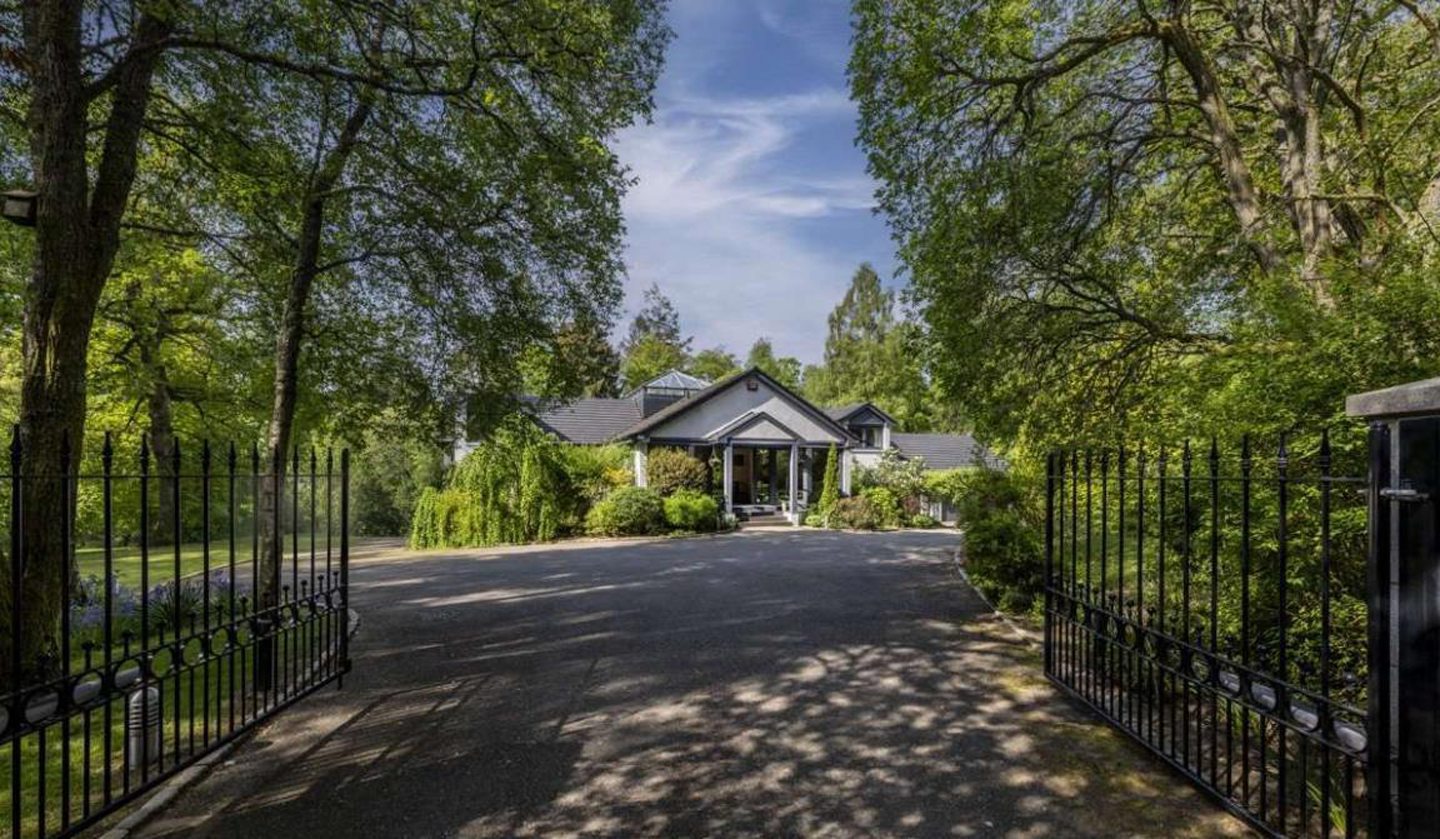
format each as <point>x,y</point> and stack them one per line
<point>769,443</point>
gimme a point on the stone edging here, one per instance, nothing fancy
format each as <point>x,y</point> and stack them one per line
<point>167,793</point>
<point>1025,637</point>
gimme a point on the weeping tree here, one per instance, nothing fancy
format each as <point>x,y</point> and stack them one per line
<point>515,488</point>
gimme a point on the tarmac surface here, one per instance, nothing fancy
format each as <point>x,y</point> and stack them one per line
<point>764,683</point>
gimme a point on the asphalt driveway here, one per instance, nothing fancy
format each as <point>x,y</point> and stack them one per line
<point>758,684</point>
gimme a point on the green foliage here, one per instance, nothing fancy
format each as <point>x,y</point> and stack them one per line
<point>872,357</point>
<point>855,513</point>
<point>714,364</point>
<point>688,509</point>
<point>906,477</point>
<point>1003,521</point>
<point>386,479</point>
<point>923,520</point>
<point>886,505</point>
<point>648,358</point>
<point>596,471</point>
<point>515,488</point>
<point>1089,271</point>
<point>785,370</point>
<point>670,470</point>
<point>946,485</point>
<point>830,483</point>
<point>629,511</point>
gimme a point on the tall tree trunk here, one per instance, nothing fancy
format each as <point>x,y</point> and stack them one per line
<point>76,236</point>
<point>162,447</point>
<point>288,343</point>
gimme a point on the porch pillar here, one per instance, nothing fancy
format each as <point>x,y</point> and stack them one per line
<point>796,509</point>
<point>642,463</point>
<point>729,461</point>
<point>772,459</point>
<point>845,471</point>
<point>805,475</point>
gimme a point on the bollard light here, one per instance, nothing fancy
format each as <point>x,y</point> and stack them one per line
<point>142,727</point>
<point>18,206</point>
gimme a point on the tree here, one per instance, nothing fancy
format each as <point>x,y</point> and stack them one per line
<point>1135,207</point>
<point>785,370</point>
<point>714,364</point>
<point>657,318</point>
<point>872,357</point>
<point>829,484</point>
<point>485,206</point>
<point>654,344</point>
<point>648,358</point>
<point>550,81</point>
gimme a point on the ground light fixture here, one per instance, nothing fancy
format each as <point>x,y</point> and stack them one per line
<point>19,207</point>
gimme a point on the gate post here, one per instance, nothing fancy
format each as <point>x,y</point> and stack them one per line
<point>1403,581</point>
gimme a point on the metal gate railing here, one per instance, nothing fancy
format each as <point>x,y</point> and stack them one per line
<point>175,637</point>
<point>1269,626</point>
<point>1211,605</point>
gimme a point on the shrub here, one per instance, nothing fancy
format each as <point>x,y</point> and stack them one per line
<point>924,520</point>
<point>629,511</point>
<point>1015,601</point>
<point>1005,551</point>
<point>886,503</point>
<point>856,513</point>
<point>906,477</point>
<point>596,471</point>
<point>830,484</point>
<point>672,470</point>
<point>691,510</point>
<point>387,477</point>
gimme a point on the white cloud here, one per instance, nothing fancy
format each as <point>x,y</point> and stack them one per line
<point>724,214</point>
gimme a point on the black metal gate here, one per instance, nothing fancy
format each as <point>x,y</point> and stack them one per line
<point>175,637</point>
<point>1212,605</point>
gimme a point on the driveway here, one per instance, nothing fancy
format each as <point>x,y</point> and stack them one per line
<point>788,683</point>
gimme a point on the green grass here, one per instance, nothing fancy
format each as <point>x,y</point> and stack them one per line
<point>128,566</point>
<point>206,699</point>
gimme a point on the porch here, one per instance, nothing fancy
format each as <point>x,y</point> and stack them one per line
<point>758,478</point>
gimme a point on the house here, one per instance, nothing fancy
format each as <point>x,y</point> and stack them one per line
<point>768,443</point>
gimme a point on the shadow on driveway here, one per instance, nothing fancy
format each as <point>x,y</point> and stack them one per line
<point>762,684</point>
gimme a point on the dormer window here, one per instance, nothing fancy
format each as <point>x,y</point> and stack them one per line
<point>869,435</point>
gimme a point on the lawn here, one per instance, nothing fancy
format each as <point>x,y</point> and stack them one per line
<point>127,562</point>
<point>73,770</point>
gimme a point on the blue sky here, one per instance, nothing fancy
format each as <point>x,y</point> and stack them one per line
<point>753,207</point>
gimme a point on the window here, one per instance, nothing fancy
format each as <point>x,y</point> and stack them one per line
<point>869,435</point>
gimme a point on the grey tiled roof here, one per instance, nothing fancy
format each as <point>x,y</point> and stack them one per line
<point>945,451</point>
<point>591,420</point>
<point>844,412</point>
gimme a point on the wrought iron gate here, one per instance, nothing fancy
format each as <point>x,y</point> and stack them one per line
<point>1170,611</point>
<point>1268,623</point>
<point>177,637</point>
